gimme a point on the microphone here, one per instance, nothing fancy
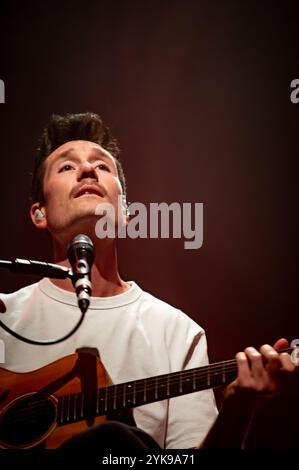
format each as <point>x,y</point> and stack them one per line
<point>38,268</point>
<point>80,254</point>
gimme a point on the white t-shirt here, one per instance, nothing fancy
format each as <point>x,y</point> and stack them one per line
<point>137,336</point>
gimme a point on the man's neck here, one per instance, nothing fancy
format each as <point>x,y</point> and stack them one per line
<point>106,281</point>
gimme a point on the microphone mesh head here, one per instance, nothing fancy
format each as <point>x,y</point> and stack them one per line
<point>78,244</point>
<point>81,238</point>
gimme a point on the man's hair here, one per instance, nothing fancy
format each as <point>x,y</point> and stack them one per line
<point>62,129</point>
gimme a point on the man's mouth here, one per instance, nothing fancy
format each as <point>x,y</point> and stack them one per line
<point>88,190</point>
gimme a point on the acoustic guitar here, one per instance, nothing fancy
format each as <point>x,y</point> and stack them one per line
<point>47,406</point>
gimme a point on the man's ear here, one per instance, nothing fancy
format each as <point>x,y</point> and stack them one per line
<point>125,210</point>
<point>38,216</point>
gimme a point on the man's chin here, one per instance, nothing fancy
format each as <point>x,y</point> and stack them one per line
<point>83,223</point>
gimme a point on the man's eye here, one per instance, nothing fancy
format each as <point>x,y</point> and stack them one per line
<point>66,167</point>
<point>104,167</point>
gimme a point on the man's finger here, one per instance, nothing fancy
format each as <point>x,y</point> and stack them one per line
<point>244,373</point>
<point>281,343</point>
<point>286,362</point>
<point>271,358</point>
<point>256,364</point>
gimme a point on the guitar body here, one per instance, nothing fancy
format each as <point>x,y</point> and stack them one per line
<point>29,402</point>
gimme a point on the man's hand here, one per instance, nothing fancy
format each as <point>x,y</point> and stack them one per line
<point>261,374</point>
<point>261,371</point>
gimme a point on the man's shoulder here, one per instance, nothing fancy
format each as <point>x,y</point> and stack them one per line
<point>158,307</point>
<point>157,302</point>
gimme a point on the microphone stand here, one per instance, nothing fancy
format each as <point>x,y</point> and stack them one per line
<point>43,269</point>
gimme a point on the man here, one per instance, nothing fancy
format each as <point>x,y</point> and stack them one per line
<point>136,335</point>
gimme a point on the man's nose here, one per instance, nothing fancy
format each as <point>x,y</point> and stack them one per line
<point>87,170</point>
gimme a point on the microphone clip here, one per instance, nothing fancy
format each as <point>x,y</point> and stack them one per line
<point>81,255</point>
<point>80,278</point>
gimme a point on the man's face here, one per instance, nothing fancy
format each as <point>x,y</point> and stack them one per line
<point>78,176</point>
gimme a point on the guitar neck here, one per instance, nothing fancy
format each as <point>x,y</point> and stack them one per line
<point>113,398</point>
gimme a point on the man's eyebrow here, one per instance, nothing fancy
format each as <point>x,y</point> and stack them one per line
<point>98,152</point>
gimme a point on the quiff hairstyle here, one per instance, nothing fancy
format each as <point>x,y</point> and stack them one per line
<point>62,129</point>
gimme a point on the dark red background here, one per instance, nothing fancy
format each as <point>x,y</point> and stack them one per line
<point>198,94</point>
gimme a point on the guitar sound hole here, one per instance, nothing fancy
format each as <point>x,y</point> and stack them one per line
<point>27,420</point>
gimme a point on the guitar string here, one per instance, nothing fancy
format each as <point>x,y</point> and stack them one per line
<point>38,406</point>
<point>175,378</point>
<point>171,379</point>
